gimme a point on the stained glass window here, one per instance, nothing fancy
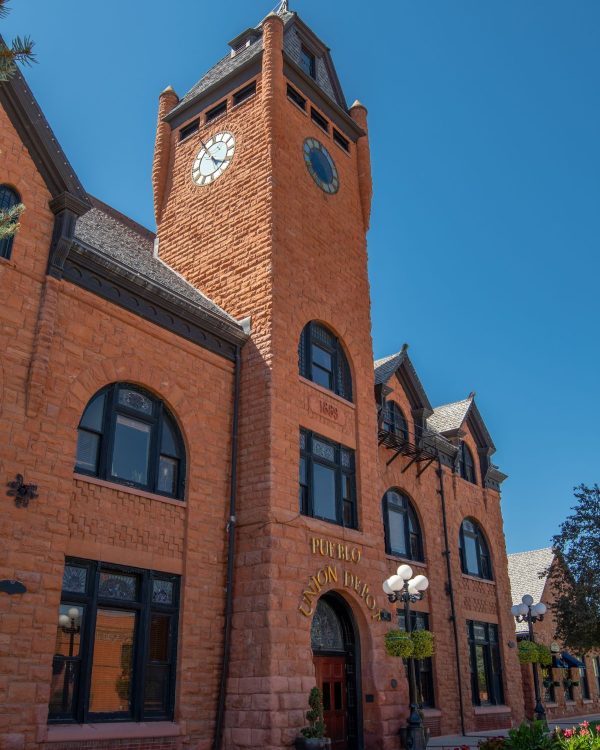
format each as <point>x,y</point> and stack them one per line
<point>326,630</point>
<point>118,586</point>
<point>162,591</point>
<point>75,579</point>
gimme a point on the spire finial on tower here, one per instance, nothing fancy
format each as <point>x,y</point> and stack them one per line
<point>283,7</point>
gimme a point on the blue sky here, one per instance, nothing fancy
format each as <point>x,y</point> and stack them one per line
<point>483,253</point>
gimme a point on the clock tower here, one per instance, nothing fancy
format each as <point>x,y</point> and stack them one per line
<point>262,193</point>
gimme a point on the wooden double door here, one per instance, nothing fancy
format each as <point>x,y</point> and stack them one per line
<point>330,672</point>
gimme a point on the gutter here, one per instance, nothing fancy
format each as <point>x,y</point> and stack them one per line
<point>231,524</point>
<point>450,592</point>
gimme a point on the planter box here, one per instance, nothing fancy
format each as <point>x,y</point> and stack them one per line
<point>312,743</point>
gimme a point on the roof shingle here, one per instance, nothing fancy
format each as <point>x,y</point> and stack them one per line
<point>524,570</point>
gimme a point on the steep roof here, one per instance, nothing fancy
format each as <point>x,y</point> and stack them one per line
<point>401,365</point>
<point>449,416</point>
<point>524,570</point>
<point>132,246</point>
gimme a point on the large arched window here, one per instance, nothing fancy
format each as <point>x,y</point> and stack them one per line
<point>321,359</point>
<point>8,199</point>
<point>474,552</point>
<point>393,420</point>
<point>402,531</point>
<point>466,465</point>
<point>127,436</point>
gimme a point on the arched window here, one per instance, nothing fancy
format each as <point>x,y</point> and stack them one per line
<point>8,199</point>
<point>402,531</point>
<point>393,420</point>
<point>466,465</point>
<point>127,436</point>
<point>474,553</point>
<point>321,359</point>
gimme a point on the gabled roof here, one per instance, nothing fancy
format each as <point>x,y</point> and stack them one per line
<point>524,570</point>
<point>28,120</point>
<point>450,418</point>
<point>130,245</point>
<point>399,364</point>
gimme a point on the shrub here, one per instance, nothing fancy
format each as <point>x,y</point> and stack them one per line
<point>530,736</point>
<point>493,743</point>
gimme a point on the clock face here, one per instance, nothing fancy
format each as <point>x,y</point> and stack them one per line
<point>213,158</point>
<point>321,166</point>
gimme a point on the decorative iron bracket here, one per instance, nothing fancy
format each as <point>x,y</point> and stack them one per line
<point>21,492</point>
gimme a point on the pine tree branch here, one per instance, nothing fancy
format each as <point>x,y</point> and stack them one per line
<point>9,221</point>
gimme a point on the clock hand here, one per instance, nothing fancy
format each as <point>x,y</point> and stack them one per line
<point>214,161</point>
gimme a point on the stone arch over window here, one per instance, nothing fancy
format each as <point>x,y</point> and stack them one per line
<point>321,358</point>
<point>474,550</point>
<point>466,464</point>
<point>8,198</point>
<point>393,420</point>
<point>128,436</point>
<point>403,535</point>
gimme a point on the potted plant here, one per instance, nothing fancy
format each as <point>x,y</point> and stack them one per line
<point>398,643</point>
<point>313,736</point>
<point>422,644</point>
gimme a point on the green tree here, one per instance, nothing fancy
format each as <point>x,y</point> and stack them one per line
<point>20,50</point>
<point>575,575</point>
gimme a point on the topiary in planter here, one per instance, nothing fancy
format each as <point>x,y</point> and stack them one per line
<point>398,643</point>
<point>422,644</point>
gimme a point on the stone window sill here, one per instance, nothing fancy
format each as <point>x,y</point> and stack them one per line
<point>480,580</point>
<point>114,731</point>
<point>406,561</point>
<point>549,704</point>
<point>129,490</point>
<point>480,710</point>
<point>327,392</point>
<point>431,713</point>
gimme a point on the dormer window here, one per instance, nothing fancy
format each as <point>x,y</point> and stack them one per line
<point>466,465</point>
<point>308,62</point>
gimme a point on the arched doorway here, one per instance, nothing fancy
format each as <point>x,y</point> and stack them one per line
<point>336,655</point>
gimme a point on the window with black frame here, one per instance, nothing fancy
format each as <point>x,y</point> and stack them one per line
<point>474,552</point>
<point>596,668</point>
<point>403,535</point>
<point>308,62</point>
<point>327,480</point>
<point>423,667</point>
<point>9,198</point>
<point>116,645</point>
<point>321,358</point>
<point>393,420</point>
<point>466,465</point>
<point>548,685</point>
<point>584,684</point>
<point>486,664</point>
<point>128,436</point>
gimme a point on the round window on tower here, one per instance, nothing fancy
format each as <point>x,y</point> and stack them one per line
<point>321,166</point>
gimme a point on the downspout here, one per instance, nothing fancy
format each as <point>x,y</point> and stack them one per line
<point>230,556</point>
<point>446,554</point>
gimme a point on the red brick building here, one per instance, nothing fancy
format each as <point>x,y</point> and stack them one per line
<point>571,685</point>
<point>224,479</point>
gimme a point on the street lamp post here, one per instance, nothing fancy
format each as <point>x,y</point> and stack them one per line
<point>70,625</point>
<point>402,587</point>
<point>529,612</point>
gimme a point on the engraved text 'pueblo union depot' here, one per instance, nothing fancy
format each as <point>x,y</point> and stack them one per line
<point>330,573</point>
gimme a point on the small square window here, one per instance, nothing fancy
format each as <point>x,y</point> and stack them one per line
<point>308,62</point>
<point>217,111</point>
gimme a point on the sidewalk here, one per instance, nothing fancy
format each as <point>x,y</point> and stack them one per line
<point>453,741</point>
